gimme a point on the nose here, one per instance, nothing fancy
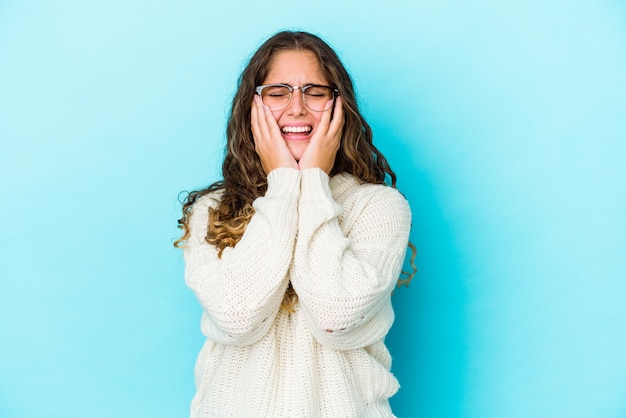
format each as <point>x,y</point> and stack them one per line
<point>296,104</point>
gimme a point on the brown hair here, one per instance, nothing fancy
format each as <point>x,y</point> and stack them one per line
<point>243,176</point>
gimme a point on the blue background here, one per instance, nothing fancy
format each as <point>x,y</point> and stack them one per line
<point>506,124</point>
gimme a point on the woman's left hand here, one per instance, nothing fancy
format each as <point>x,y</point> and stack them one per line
<point>324,144</point>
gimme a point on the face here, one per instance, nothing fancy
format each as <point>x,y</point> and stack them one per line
<point>296,122</point>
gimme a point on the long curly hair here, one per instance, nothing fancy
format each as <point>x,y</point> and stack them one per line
<point>244,179</point>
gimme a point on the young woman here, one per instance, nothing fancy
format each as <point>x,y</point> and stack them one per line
<point>294,254</point>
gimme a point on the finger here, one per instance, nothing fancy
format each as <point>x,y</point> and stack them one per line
<point>259,133</point>
<point>261,119</point>
<point>272,126</point>
<point>336,125</point>
<point>324,125</point>
<point>267,123</point>
<point>259,125</point>
<point>254,120</point>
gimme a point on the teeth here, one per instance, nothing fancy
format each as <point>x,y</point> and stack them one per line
<point>296,129</point>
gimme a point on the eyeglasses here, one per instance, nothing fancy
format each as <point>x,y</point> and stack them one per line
<point>314,96</point>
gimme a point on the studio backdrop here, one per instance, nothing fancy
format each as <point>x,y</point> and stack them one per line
<point>504,121</point>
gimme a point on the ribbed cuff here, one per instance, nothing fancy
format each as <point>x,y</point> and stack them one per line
<point>283,182</point>
<point>317,204</point>
<point>315,184</point>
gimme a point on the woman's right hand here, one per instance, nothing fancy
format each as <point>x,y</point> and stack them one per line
<point>268,141</point>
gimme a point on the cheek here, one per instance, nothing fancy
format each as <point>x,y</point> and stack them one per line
<point>277,115</point>
<point>317,117</point>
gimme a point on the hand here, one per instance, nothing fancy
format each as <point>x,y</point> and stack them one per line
<point>325,141</point>
<point>268,141</point>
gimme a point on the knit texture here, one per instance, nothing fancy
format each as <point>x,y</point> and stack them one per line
<point>341,245</point>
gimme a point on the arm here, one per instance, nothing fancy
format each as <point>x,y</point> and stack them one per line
<point>344,278</point>
<point>241,293</point>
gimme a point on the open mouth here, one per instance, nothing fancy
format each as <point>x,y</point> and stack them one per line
<point>305,129</point>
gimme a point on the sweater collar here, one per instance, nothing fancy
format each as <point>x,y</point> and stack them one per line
<point>339,183</point>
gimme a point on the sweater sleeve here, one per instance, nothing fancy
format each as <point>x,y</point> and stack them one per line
<point>343,278</point>
<point>241,293</point>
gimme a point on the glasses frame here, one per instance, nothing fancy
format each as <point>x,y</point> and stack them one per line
<point>259,90</point>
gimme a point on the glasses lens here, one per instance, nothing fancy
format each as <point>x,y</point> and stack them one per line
<point>317,97</point>
<point>276,97</point>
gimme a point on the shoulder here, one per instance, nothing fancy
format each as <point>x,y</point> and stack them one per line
<point>199,210</point>
<point>346,187</point>
<point>377,202</point>
<point>208,200</point>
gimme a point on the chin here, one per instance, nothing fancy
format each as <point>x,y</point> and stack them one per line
<point>297,150</point>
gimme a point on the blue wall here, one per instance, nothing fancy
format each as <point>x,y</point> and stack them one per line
<point>505,122</point>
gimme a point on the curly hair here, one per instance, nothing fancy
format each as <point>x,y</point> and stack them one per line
<point>244,179</point>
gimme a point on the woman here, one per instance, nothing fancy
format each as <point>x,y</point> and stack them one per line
<point>294,254</point>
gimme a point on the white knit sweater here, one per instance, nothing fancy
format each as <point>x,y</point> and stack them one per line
<point>341,244</point>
